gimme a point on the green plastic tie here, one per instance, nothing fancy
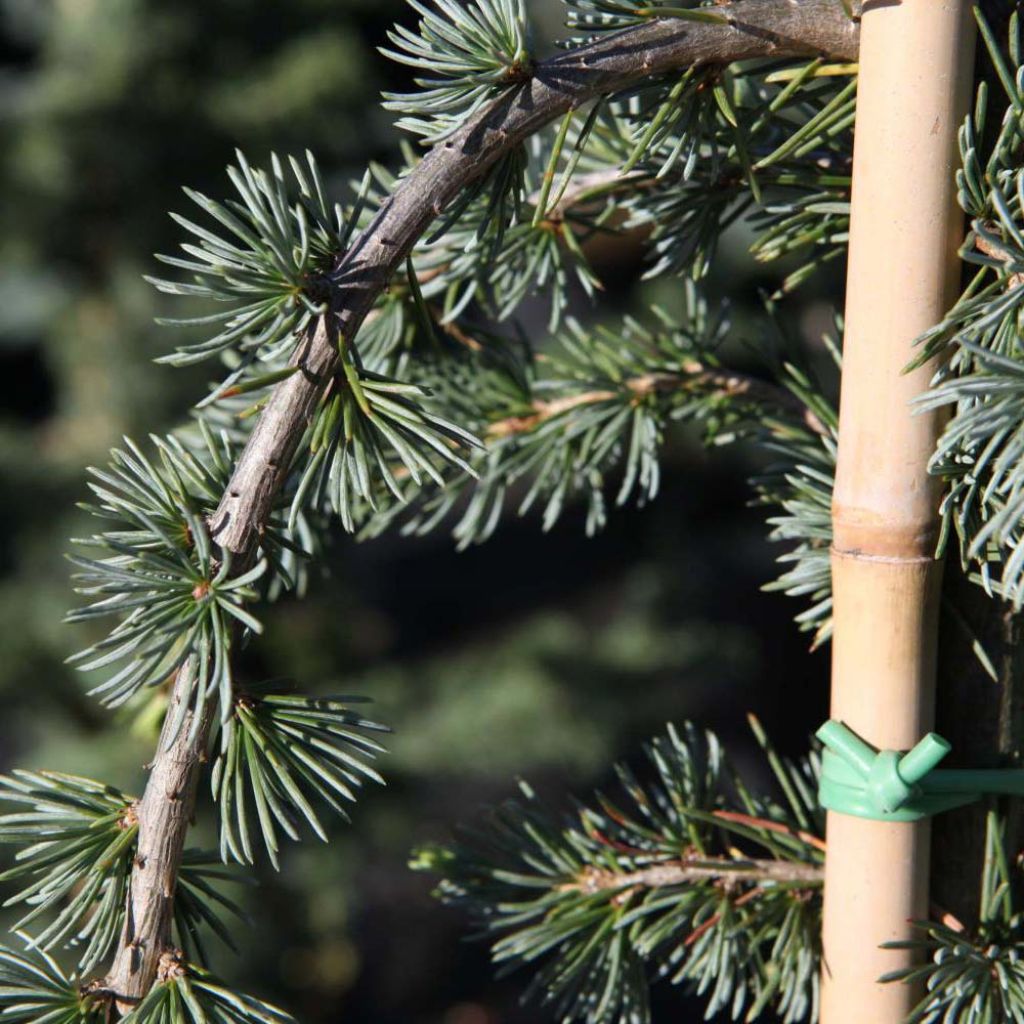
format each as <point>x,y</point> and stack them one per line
<point>891,785</point>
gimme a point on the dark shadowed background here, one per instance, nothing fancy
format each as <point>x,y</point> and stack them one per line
<point>542,656</point>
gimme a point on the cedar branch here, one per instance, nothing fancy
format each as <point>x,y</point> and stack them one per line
<point>755,29</point>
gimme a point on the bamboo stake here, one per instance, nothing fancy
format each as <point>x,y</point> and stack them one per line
<point>915,74</point>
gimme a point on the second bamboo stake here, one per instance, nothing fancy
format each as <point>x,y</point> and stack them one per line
<point>915,68</point>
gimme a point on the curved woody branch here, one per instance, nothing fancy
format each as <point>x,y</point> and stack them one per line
<point>755,29</point>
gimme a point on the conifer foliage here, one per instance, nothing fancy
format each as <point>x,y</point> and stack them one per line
<point>671,883</point>
<point>372,376</point>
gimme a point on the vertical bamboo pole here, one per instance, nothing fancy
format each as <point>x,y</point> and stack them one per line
<point>915,70</point>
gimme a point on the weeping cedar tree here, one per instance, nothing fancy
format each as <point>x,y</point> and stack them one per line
<point>371,378</point>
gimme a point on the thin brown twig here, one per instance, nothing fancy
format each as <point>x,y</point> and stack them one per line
<point>723,870</point>
<point>691,376</point>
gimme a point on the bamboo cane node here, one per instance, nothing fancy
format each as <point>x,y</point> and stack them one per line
<point>864,534</point>
<point>855,554</point>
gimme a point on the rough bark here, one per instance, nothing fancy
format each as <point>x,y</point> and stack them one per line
<point>164,815</point>
<point>757,28</point>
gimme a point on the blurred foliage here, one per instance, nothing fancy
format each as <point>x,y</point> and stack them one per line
<point>545,655</point>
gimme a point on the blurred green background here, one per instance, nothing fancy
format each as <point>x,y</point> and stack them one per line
<point>544,656</point>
